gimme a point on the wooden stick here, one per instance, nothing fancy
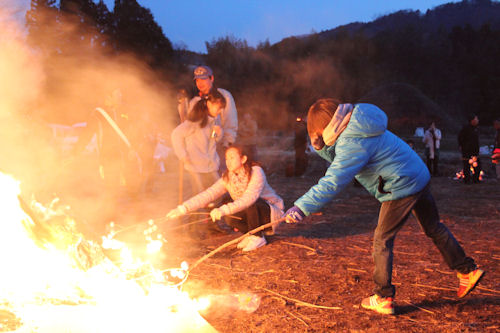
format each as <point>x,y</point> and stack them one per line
<point>483,288</point>
<point>291,314</point>
<point>299,245</point>
<point>420,308</point>
<point>186,224</point>
<point>356,270</point>
<point>432,287</point>
<point>234,241</point>
<point>181,181</point>
<point>302,303</point>
<point>207,213</point>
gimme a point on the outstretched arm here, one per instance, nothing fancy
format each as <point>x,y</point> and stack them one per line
<point>346,164</point>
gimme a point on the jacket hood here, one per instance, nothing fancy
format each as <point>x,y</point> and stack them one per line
<point>367,120</point>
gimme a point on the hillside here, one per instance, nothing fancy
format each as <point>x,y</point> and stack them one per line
<point>475,13</point>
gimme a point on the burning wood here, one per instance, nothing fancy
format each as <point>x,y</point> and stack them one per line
<point>56,280</point>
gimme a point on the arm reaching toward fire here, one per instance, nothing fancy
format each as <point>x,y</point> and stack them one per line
<point>177,212</point>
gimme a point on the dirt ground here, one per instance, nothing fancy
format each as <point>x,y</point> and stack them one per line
<point>312,276</point>
<point>326,261</point>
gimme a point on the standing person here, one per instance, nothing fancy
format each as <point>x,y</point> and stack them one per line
<point>194,141</point>
<point>182,104</point>
<point>247,136</point>
<point>300,146</point>
<point>252,199</point>
<point>496,150</point>
<point>468,143</point>
<point>355,140</point>
<point>228,119</point>
<point>120,168</point>
<point>432,140</point>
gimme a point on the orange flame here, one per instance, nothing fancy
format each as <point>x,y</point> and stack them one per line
<point>42,284</point>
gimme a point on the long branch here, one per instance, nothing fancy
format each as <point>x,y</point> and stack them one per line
<point>234,241</point>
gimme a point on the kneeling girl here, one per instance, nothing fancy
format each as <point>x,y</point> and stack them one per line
<point>252,199</point>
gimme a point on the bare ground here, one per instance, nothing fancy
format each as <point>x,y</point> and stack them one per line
<point>326,261</point>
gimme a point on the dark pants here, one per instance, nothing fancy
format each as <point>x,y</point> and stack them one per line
<point>301,161</point>
<point>432,163</point>
<point>253,217</point>
<point>392,216</point>
<point>468,174</point>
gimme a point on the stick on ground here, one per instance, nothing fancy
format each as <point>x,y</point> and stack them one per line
<point>234,241</point>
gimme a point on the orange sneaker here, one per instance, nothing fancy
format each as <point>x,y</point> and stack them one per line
<point>383,305</point>
<point>468,282</point>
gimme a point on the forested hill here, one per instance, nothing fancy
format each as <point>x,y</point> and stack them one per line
<point>439,65</point>
<point>474,13</point>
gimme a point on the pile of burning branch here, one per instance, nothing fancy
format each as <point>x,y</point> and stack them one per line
<point>54,279</point>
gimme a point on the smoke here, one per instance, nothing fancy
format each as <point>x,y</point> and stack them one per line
<point>282,88</point>
<point>42,86</point>
<point>20,81</point>
<point>276,103</point>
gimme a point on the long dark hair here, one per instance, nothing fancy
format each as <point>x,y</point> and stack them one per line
<point>249,163</point>
<point>200,109</point>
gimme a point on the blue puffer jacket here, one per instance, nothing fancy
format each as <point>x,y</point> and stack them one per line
<point>383,163</point>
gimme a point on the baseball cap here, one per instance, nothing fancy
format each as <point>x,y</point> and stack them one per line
<point>202,72</point>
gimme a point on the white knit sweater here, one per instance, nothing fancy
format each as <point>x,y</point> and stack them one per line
<point>257,187</point>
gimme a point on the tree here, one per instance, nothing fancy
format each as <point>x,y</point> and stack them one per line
<point>134,29</point>
<point>42,23</point>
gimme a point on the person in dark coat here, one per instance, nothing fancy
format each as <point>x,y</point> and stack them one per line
<point>468,143</point>
<point>300,146</point>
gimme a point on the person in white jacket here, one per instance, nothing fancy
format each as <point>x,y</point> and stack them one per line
<point>194,141</point>
<point>204,79</point>
<point>432,140</point>
<point>253,201</point>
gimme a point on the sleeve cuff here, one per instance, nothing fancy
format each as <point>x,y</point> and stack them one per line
<point>182,209</point>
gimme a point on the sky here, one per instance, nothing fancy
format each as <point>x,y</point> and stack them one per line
<point>189,24</point>
<point>192,23</point>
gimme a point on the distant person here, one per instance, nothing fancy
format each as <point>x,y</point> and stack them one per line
<point>247,135</point>
<point>252,199</point>
<point>432,140</point>
<point>468,143</point>
<point>228,119</point>
<point>300,146</point>
<point>496,150</point>
<point>355,140</point>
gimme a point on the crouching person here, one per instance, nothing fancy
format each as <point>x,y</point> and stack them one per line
<point>253,202</point>
<point>355,140</point>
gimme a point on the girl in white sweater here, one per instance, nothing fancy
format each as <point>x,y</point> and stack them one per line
<point>194,141</point>
<point>252,199</point>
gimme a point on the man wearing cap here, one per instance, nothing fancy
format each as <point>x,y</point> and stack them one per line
<point>204,79</point>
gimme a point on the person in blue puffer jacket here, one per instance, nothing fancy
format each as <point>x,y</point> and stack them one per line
<point>355,140</point>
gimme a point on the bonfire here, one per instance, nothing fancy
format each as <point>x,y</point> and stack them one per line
<point>55,280</point>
